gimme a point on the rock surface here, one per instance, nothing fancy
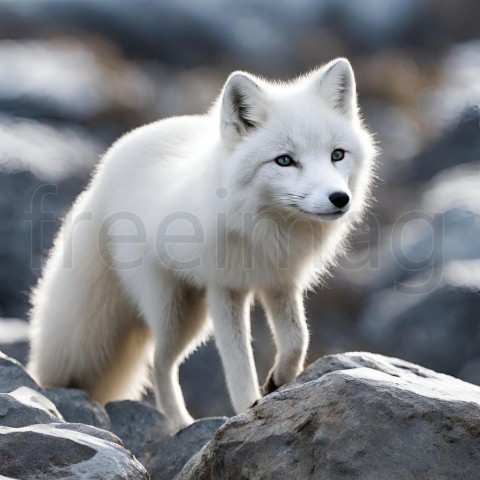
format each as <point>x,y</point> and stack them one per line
<point>347,416</point>
<point>459,144</point>
<point>43,452</point>
<point>24,407</point>
<point>359,416</point>
<point>173,452</point>
<point>13,375</point>
<point>439,329</point>
<point>139,426</point>
<point>36,442</point>
<point>75,406</point>
<point>142,430</point>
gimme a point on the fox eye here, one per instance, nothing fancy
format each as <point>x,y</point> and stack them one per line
<point>284,161</point>
<point>338,154</point>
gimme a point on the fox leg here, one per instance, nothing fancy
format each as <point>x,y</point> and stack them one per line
<point>286,317</point>
<point>230,312</point>
<point>181,330</point>
<point>176,315</point>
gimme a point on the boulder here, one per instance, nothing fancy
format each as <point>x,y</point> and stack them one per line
<point>76,407</point>
<point>24,407</point>
<point>13,375</point>
<point>36,442</point>
<point>89,430</point>
<point>201,373</point>
<point>142,430</point>
<point>168,456</point>
<point>30,209</point>
<point>438,328</point>
<point>460,143</point>
<point>358,416</point>
<point>43,452</point>
<point>14,338</point>
<point>139,426</point>
<point>104,87</point>
<point>443,226</point>
<point>351,360</point>
<point>16,350</point>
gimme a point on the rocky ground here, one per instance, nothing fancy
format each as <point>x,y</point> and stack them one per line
<point>347,416</point>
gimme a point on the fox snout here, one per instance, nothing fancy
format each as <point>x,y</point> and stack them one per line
<point>339,199</point>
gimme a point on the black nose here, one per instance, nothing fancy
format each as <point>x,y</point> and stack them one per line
<point>339,199</point>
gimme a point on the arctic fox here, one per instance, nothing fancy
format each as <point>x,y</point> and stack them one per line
<point>185,221</point>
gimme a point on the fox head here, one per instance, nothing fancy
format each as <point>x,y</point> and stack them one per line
<point>298,147</point>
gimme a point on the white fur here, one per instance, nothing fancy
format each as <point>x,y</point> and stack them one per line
<point>118,283</point>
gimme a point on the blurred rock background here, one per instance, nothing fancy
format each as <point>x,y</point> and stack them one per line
<point>76,74</point>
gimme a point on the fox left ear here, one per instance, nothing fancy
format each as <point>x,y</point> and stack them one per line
<point>243,106</point>
<point>336,83</point>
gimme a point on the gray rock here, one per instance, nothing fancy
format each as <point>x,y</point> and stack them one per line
<point>173,452</point>
<point>432,241</point>
<point>425,237</point>
<point>202,372</point>
<point>31,210</point>
<point>139,426</point>
<point>13,375</point>
<point>17,350</point>
<point>43,452</point>
<point>24,407</point>
<point>346,361</point>
<point>89,430</point>
<point>143,432</point>
<point>391,419</point>
<point>36,443</point>
<point>14,338</point>
<point>75,406</point>
<point>87,98</point>
<point>438,329</point>
<point>458,144</point>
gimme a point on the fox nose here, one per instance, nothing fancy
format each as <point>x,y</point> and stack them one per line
<point>339,199</point>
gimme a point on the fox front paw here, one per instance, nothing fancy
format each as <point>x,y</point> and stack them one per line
<point>270,385</point>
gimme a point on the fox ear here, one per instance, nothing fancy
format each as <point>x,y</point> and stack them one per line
<point>336,83</point>
<point>243,106</point>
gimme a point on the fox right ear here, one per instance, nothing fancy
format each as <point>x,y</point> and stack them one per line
<point>336,82</point>
<point>243,106</point>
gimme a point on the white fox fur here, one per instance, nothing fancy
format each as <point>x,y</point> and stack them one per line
<point>184,222</point>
